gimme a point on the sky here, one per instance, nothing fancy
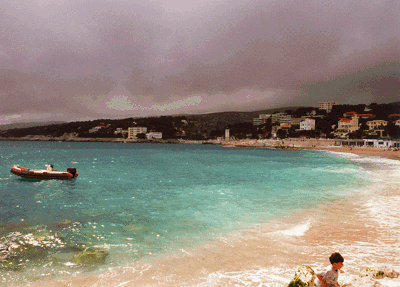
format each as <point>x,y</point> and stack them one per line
<point>73,60</point>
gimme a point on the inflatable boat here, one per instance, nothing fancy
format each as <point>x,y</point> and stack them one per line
<point>43,173</point>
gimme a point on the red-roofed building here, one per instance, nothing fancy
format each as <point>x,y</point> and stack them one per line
<point>363,116</point>
<point>348,125</point>
<point>366,116</point>
<point>349,114</point>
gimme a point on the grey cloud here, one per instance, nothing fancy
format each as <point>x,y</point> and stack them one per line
<point>74,54</point>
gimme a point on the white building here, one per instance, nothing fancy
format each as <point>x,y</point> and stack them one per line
<point>96,129</point>
<point>380,143</point>
<point>296,121</point>
<point>327,106</point>
<point>154,135</point>
<point>308,124</point>
<point>227,135</point>
<point>262,118</point>
<point>133,131</point>
<point>258,122</point>
<point>118,131</point>
<point>281,118</point>
<point>372,125</point>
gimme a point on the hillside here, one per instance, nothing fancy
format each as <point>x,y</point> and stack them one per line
<point>28,125</point>
<point>191,127</point>
<point>194,126</point>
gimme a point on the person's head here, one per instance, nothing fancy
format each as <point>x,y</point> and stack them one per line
<point>336,260</point>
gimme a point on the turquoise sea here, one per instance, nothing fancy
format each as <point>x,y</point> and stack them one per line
<point>141,201</point>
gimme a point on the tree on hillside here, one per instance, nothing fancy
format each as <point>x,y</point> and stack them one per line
<point>323,127</point>
<point>393,130</point>
<point>141,136</point>
<point>281,133</point>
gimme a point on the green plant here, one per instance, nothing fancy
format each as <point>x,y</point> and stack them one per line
<point>297,283</point>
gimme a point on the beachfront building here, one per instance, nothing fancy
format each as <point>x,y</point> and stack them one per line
<point>133,131</point>
<point>376,143</point>
<point>307,124</point>
<point>381,143</point>
<point>154,135</point>
<point>375,124</point>
<point>327,106</point>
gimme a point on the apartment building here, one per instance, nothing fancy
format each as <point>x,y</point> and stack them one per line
<point>307,124</point>
<point>262,118</point>
<point>349,125</point>
<point>154,135</point>
<point>373,125</point>
<point>133,131</point>
<point>327,106</point>
<point>281,118</point>
<point>296,121</point>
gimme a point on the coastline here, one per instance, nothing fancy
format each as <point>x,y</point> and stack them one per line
<point>291,143</point>
<point>268,254</point>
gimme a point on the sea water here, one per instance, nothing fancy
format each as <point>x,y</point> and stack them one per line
<point>145,201</point>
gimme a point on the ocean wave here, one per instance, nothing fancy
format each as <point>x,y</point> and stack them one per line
<point>298,230</point>
<point>384,210</point>
<point>345,170</point>
<point>268,277</point>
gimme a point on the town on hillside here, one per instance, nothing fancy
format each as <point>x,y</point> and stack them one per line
<point>330,120</point>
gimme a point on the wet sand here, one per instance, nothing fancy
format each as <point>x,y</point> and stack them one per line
<point>364,228</point>
<point>366,151</point>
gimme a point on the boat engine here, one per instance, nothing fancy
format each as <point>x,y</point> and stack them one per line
<point>72,171</point>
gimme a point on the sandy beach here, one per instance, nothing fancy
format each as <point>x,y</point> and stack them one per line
<point>366,151</point>
<point>315,144</point>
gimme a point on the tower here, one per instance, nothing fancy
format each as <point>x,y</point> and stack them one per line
<point>226,134</point>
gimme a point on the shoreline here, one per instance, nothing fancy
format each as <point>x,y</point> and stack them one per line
<point>316,145</point>
<point>365,151</point>
<point>274,250</point>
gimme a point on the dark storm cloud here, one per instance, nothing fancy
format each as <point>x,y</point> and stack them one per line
<point>91,59</point>
<point>367,76</point>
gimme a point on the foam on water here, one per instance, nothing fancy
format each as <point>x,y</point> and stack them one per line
<point>256,277</point>
<point>298,230</point>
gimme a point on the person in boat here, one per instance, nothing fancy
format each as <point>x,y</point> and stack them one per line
<point>49,167</point>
